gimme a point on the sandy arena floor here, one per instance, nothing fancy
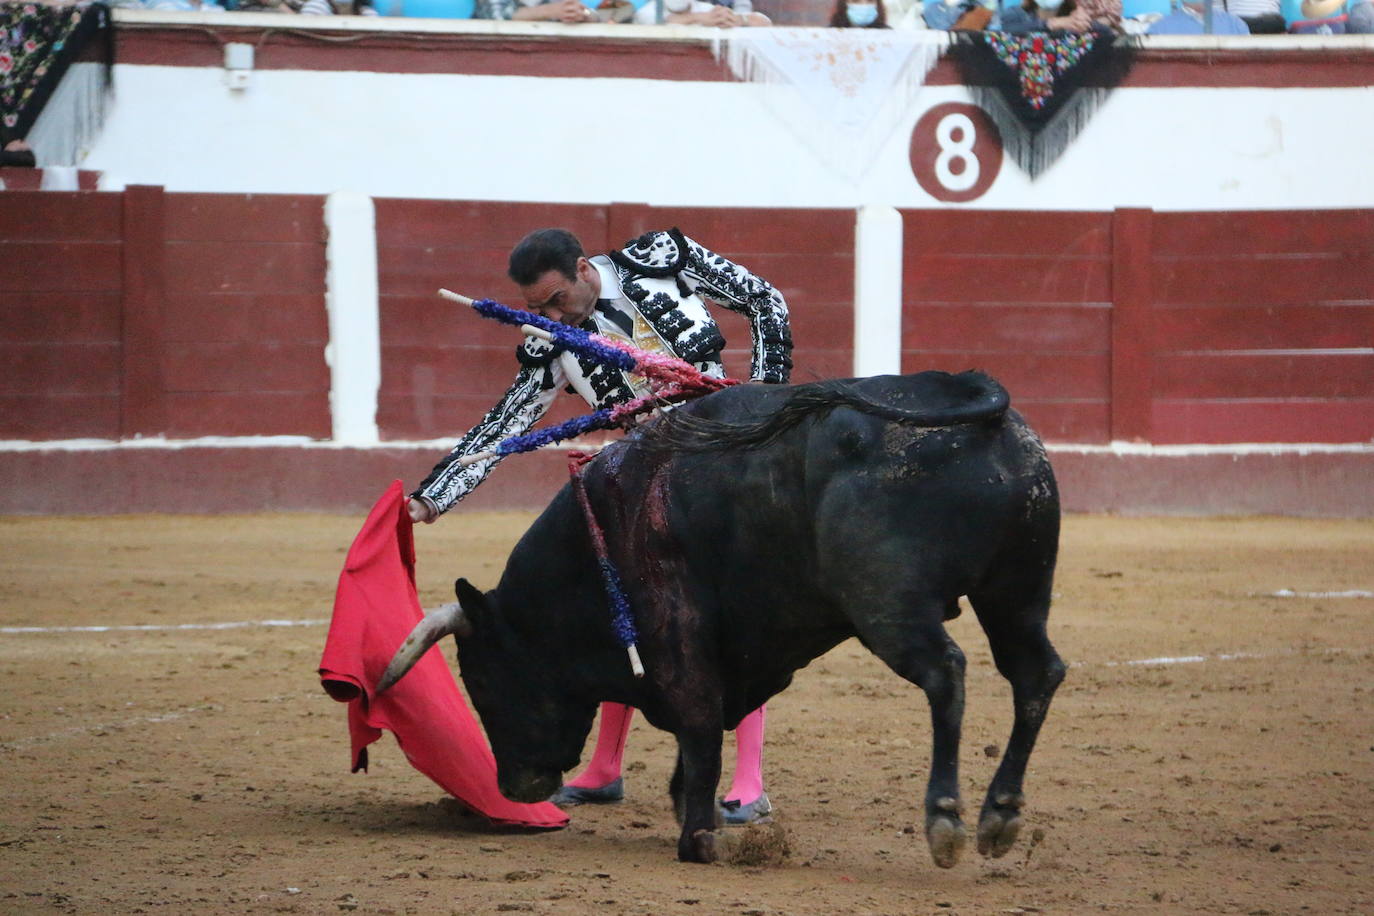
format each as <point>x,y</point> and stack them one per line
<point>203,770</point>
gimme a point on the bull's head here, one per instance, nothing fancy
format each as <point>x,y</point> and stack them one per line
<point>536,729</point>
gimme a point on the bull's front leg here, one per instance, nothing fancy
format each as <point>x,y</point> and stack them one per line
<point>694,793</point>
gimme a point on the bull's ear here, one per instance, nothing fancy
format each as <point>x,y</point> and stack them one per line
<point>473,601</point>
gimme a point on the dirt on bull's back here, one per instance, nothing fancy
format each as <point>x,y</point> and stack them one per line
<point>1209,752</point>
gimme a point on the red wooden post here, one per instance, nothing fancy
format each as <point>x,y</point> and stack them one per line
<point>143,408</point>
<point>1132,325</point>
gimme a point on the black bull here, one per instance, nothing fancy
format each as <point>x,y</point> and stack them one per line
<point>754,530</point>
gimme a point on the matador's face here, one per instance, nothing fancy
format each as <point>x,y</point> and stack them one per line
<point>563,300</point>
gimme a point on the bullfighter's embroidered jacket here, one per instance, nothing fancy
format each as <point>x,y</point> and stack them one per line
<point>652,294</point>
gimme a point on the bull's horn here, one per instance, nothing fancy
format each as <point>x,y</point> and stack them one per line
<point>433,627</point>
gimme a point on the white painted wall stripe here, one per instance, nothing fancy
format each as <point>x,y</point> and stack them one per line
<point>1351,593</point>
<point>354,351</point>
<point>877,291</point>
<point>1219,657</point>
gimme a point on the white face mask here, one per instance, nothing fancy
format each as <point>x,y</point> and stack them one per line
<point>862,15</point>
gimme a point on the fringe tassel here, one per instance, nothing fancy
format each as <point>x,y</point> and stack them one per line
<point>71,121</point>
<point>1035,137</point>
<point>1036,150</point>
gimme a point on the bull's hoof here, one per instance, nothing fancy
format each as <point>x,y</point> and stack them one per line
<point>945,833</point>
<point>999,825</point>
<point>703,847</point>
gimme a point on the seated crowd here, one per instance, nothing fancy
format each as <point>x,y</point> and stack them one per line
<point>1156,17</point>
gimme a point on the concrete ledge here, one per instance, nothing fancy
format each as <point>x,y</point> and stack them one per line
<point>1286,480</point>
<point>1336,484</point>
<point>217,479</point>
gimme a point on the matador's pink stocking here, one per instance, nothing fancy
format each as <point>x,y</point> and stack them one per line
<point>748,782</point>
<point>607,758</point>
<point>610,748</point>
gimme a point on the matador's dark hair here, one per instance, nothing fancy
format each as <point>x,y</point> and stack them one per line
<point>541,251</point>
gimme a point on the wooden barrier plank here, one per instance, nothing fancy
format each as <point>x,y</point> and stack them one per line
<point>424,321</point>
<point>976,277</point>
<point>237,366</point>
<point>498,225</point>
<point>455,367</point>
<point>825,327</point>
<point>1292,374</point>
<point>245,218</point>
<point>245,413</point>
<point>1257,232</point>
<point>1200,421</point>
<point>1029,233</point>
<point>57,368</point>
<point>143,408</point>
<point>59,266</point>
<point>259,267</point>
<point>51,415</point>
<point>1132,385</point>
<point>1009,325</point>
<point>294,317</point>
<point>1288,327</point>
<point>1303,279</point>
<point>420,272</point>
<point>60,216</point>
<point>60,316</point>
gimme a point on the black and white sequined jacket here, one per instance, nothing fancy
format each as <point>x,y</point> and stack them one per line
<point>655,302</point>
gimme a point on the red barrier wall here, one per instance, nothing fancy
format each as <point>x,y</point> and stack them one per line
<point>1154,327</point>
<point>1024,296</point>
<point>244,331</point>
<point>1262,327</point>
<point>61,334</point>
<point>185,315</point>
<point>145,313</point>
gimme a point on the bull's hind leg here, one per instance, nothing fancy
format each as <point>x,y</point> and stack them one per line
<point>926,656</point>
<point>1013,616</point>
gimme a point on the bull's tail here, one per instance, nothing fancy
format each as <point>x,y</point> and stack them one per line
<point>969,397</point>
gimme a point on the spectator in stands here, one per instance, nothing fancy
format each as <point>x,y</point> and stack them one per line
<point>859,14</point>
<point>1360,20</point>
<point>1030,16</point>
<point>570,12</point>
<point>723,14</point>
<point>943,14</point>
<point>304,7</point>
<point>1320,17</point>
<point>1188,20</point>
<point>1087,16</point>
<point>1261,17</point>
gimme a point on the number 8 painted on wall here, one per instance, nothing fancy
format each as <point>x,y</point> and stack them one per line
<point>956,152</point>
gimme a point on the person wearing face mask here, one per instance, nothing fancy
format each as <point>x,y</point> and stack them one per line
<point>849,14</point>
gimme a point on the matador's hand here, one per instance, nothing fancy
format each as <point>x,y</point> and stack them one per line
<point>419,511</point>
